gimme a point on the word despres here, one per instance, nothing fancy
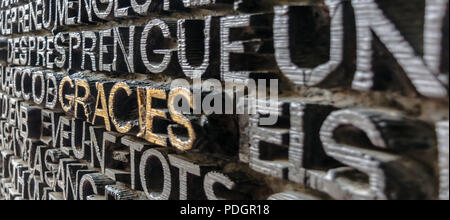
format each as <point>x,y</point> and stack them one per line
<point>70,133</point>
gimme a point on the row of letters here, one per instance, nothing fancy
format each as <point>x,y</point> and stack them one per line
<point>313,144</point>
<point>72,127</point>
<point>36,15</point>
<point>206,47</point>
<point>105,103</point>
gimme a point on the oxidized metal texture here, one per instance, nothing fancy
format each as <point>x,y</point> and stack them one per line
<point>93,106</point>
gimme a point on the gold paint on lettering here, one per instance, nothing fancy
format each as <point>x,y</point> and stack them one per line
<point>179,118</point>
<point>112,95</point>
<point>101,112</point>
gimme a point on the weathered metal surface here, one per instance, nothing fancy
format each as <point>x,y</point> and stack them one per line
<point>90,97</point>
